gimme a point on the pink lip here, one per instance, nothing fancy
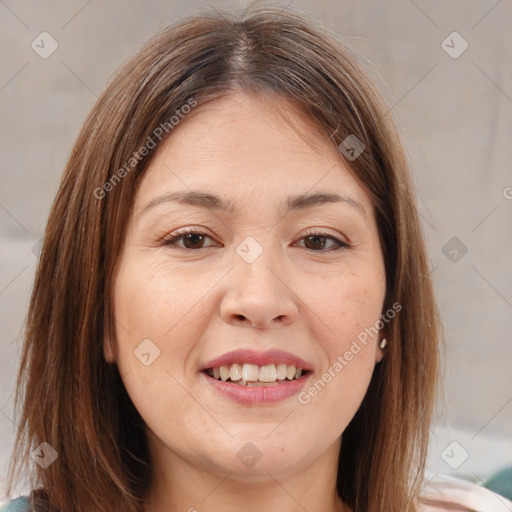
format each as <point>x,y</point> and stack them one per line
<point>257,395</point>
<point>259,358</point>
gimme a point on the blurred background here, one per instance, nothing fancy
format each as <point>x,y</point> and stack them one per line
<point>445,69</point>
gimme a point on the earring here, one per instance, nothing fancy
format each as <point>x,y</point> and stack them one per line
<point>383,343</point>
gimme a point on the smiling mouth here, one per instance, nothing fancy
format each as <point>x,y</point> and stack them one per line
<point>252,375</point>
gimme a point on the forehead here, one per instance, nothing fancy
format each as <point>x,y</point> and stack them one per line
<point>240,147</point>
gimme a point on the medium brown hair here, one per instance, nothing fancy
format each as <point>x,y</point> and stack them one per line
<point>73,399</point>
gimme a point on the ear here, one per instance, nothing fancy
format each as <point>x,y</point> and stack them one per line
<point>382,344</point>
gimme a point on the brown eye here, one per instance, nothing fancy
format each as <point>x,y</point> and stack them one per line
<point>317,242</point>
<point>192,240</point>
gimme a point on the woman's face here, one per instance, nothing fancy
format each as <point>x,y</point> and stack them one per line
<point>281,276</point>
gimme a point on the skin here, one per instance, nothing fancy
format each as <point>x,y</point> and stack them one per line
<point>299,295</point>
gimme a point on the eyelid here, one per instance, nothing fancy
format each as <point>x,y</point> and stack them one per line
<point>339,241</point>
<point>178,233</point>
<point>185,230</point>
<point>324,232</point>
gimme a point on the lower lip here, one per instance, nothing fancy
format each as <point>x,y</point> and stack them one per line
<point>254,395</point>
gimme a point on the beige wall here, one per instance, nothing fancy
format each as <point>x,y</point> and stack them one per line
<point>456,116</point>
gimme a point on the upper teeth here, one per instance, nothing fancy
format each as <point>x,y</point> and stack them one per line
<point>253,373</point>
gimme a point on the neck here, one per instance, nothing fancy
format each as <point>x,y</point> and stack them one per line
<point>183,485</point>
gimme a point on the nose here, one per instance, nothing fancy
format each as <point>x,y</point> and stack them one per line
<point>258,295</point>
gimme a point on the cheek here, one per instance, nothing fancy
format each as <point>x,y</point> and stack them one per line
<point>351,310</point>
<point>158,303</point>
<point>350,313</point>
<point>154,308</point>
<point>336,392</point>
<point>344,395</point>
<point>168,308</point>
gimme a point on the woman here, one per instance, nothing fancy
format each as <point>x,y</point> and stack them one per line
<point>232,308</point>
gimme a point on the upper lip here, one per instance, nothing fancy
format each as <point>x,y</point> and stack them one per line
<point>259,358</point>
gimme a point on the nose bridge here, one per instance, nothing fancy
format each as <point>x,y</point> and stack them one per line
<point>254,264</point>
<point>257,293</point>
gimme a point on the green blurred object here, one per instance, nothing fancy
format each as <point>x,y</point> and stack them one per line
<point>20,504</point>
<point>501,483</point>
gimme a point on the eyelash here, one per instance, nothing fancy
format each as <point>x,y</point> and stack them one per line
<point>171,239</point>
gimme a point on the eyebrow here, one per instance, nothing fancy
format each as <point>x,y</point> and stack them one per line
<point>214,202</point>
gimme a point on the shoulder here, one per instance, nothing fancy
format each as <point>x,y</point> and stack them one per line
<point>35,502</point>
<point>20,504</point>
<point>446,493</point>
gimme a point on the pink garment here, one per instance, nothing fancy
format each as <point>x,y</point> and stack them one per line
<point>450,494</point>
